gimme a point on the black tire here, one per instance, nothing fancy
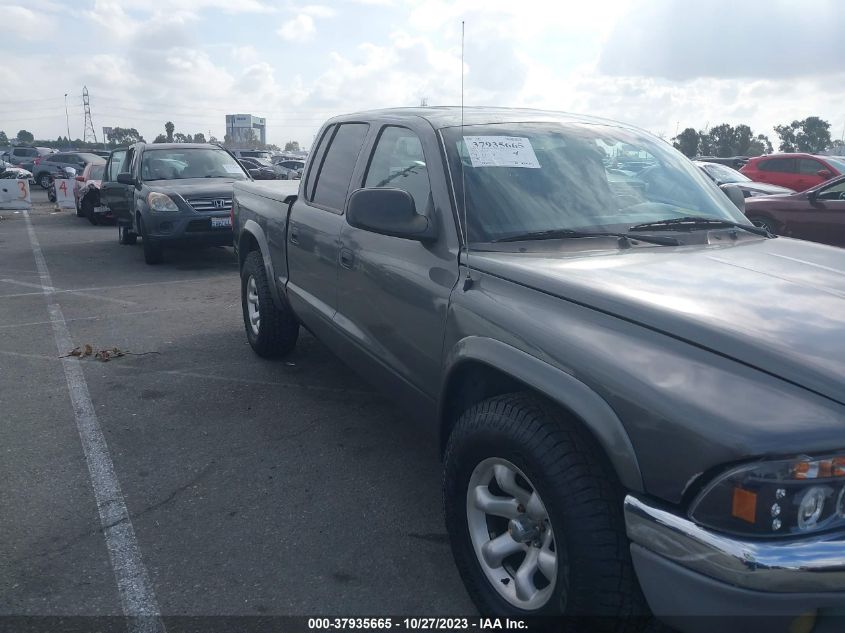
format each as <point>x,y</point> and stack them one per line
<point>44,180</point>
<point>125,236</point>
<point>88,210</point>
<point>764,223</point>
<point>153,252</point>
<point>278,330</point>
<point>583,499</point>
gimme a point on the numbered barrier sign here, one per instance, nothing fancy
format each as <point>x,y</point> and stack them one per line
<point>14,194</point>
<point>64,194</point>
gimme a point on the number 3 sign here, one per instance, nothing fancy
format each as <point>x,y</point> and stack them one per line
<point>14,194</point>
<point>64,194</point>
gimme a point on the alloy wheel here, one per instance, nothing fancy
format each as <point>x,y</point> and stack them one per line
<point>252,305</point>
<point>511,534</point>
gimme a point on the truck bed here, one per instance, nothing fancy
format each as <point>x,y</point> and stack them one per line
<point>278,190</point>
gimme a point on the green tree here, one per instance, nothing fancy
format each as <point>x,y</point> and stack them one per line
<point>25,137</point>
<point>293,146</point>
<point>125,136</point>
<point>810,135</point>
<point>182,138</point>
<point>686,142</point>
<point>786,134</point>
<point>169,127</point>
<point>213,139</point>
<point>199,137</point>
<point>4,140</point>
<point>161,138</point>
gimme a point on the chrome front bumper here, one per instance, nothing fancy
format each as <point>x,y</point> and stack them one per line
<point>806,566</point>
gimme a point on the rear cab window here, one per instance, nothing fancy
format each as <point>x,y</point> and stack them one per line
<point>335,172</point>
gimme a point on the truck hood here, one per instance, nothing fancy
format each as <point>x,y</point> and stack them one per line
<point>775,304</point>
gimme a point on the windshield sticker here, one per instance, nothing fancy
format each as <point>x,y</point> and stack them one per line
<point>232,169</point>
<point>501,151</point>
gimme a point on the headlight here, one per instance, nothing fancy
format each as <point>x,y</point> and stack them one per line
<point>789,497</point>
<point>161,203</point>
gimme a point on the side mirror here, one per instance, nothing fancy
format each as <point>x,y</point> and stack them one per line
<point>389,212</point>
<point>735,194</point>
<point>824,173</point>
<point>125,178</point>
<point>813,196</point>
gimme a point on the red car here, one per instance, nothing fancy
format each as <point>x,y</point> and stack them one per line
<point>795,171</point>
<point>817,215</point>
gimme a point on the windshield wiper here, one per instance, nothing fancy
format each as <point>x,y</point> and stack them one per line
<point>692,222</point>
<point>556,234</point>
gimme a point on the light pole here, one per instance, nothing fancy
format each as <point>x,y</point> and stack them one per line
<point>67,119</point>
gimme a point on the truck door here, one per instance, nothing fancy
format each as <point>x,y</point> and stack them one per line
<point>313,233</point>
<point>112,194</point>
<point>393,293</point>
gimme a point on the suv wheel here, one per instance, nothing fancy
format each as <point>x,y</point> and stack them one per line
<point>126,236</point>
<point>44,180</point>
<point>153,252</point>
<point>271,332</point>
<point>534,515</point>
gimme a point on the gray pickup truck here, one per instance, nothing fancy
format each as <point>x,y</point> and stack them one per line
<point>640,397</point>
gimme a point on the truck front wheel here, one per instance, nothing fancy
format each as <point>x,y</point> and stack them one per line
<point>271,332</point>
<point>534,515</point>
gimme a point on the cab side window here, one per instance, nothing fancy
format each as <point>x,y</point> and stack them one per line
<point>335,173</point>
<point>398,162</point>
<point>783,165</point>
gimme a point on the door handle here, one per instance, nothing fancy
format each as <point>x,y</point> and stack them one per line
<point>347,258</point>
<point>294,234</point>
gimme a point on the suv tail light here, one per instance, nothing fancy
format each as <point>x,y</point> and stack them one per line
<point>37,161</point>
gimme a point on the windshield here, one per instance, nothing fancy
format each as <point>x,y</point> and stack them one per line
<point>723,174</point>
<point>96,172</point>
<point>199,162</point>
<point>838,164</point>
<point>530,177</point>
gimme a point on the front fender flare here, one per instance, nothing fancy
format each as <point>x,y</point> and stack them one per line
<point>560,387</point>
<point>254,229</point>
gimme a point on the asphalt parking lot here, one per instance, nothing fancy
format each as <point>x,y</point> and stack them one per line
<point>254,487</point>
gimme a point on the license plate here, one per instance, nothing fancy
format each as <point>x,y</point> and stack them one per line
<point>221,223</point>
<point>102,210</point>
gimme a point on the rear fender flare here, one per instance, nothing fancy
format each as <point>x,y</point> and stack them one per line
<point>254,229</point>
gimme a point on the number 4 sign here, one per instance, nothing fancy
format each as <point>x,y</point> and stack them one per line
<point>64,194</point>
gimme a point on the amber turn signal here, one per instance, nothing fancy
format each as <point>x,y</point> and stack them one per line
<point>744,505</point>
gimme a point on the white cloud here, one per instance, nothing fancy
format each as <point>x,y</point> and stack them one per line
<point>25,23</point>
<point>299,29</point>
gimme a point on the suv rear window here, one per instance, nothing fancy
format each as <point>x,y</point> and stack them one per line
<point>336,170</point>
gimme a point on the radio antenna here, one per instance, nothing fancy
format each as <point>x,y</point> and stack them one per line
<point>468,278</point>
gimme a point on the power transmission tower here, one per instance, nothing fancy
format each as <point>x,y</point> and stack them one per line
<point>89,124</point>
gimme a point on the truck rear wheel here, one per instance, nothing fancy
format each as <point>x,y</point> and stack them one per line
<point>271,332</point>
<point>534,515</point>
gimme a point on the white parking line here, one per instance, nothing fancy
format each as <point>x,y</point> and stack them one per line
<point>137,595</point>
<point>149,283</point>
<point>80,293</point>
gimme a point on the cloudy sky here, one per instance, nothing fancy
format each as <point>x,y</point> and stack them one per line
<point>661,64</point>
